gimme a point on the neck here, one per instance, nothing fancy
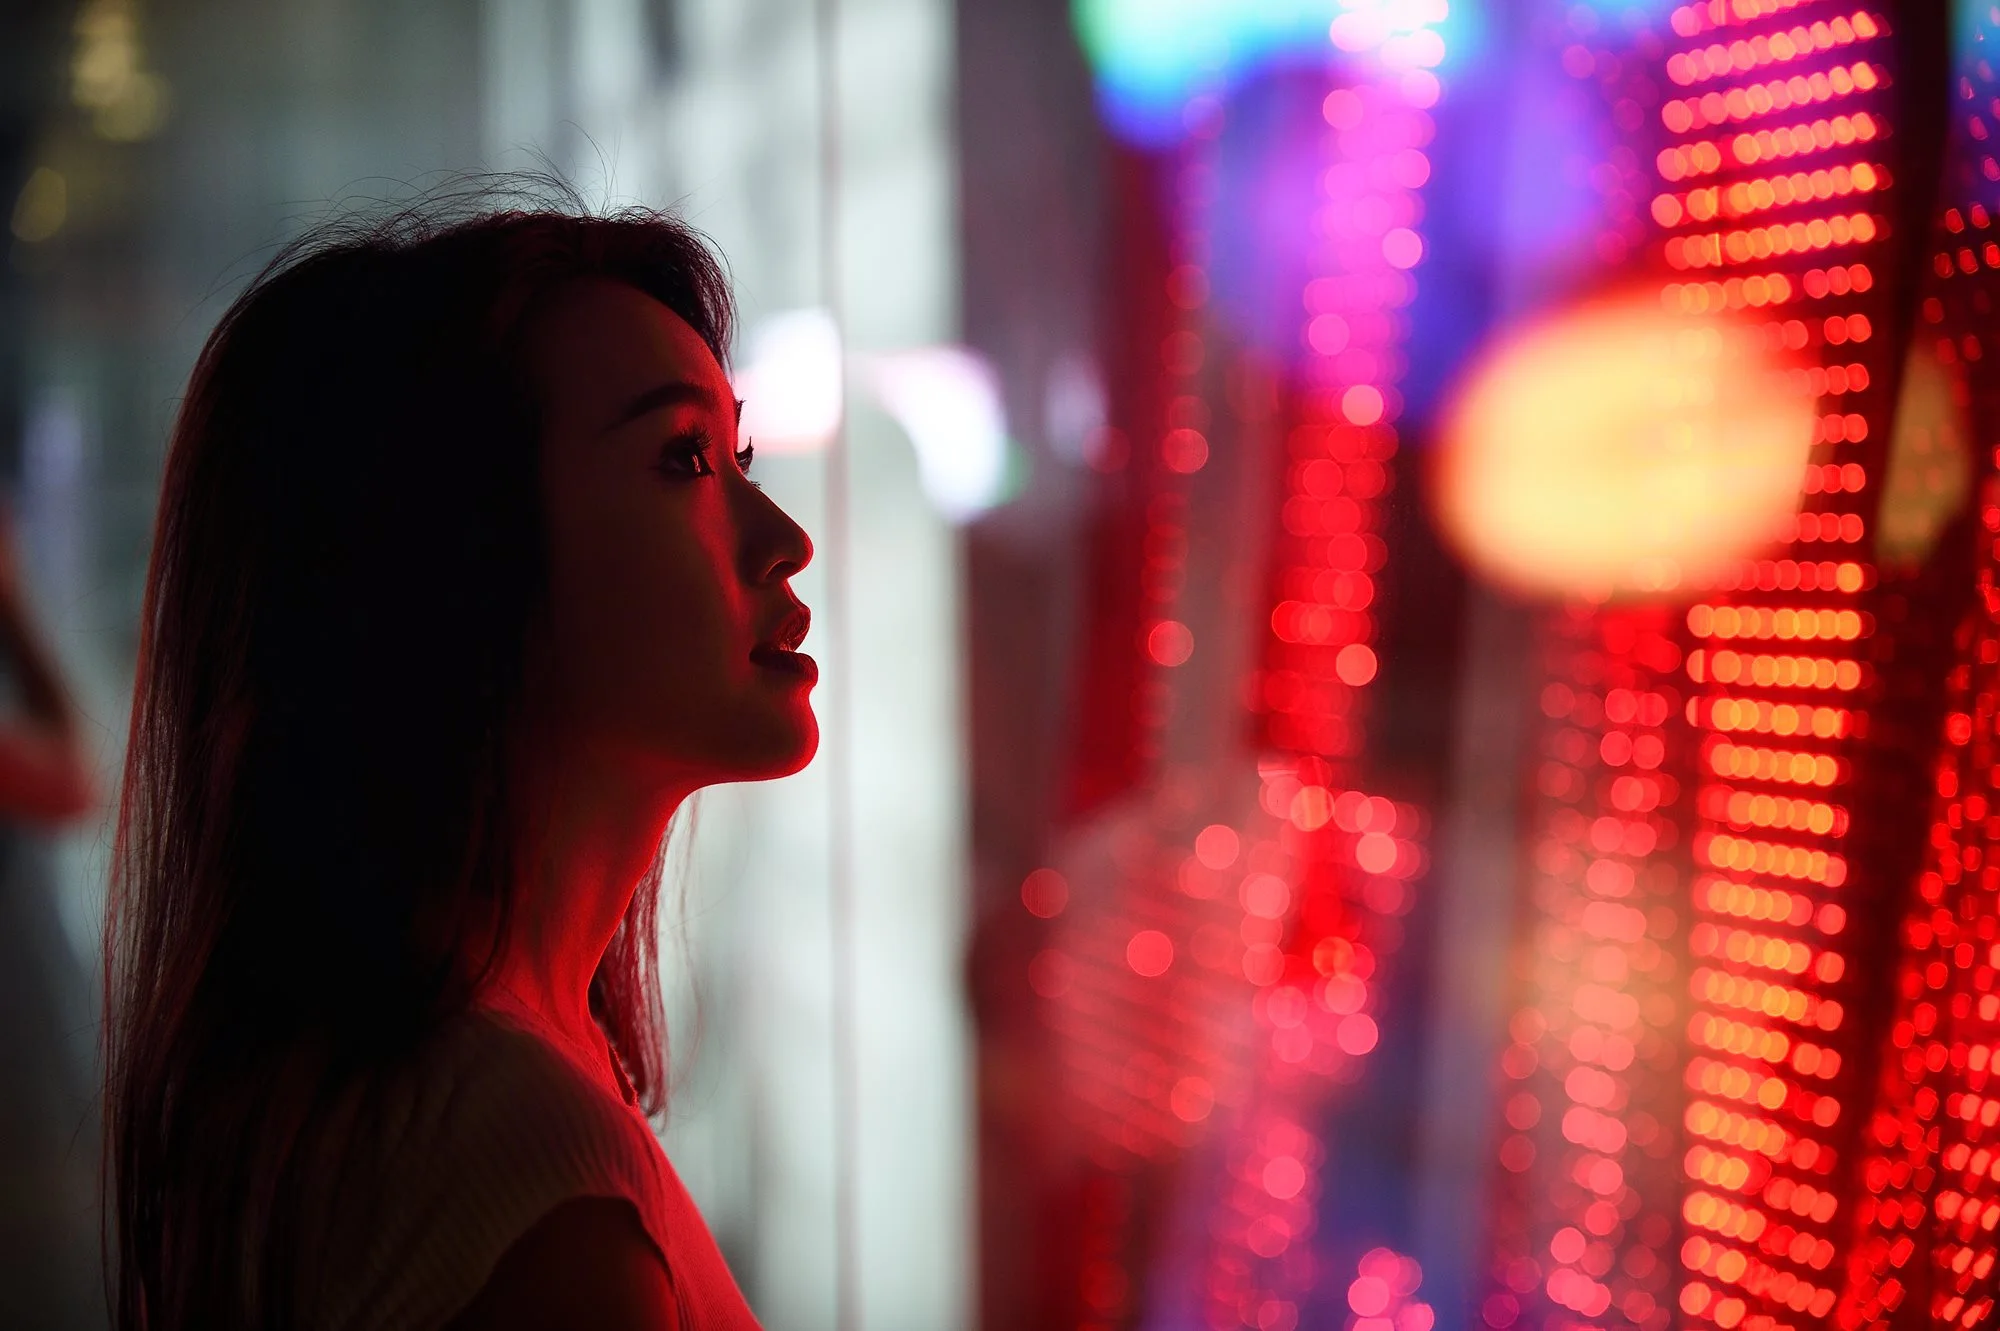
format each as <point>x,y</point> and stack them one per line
<point>600,832</point>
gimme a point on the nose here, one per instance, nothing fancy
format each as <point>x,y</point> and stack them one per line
<point>775,546</point>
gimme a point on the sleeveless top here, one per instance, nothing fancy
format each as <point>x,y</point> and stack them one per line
<point>428,1179</point>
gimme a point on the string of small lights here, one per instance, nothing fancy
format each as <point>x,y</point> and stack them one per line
<point>1202,972</point>
<point>1353,856</point>
<point>1779,662</point>
<point>1142,965</point>
<point>1928,1203</point>
<point>1926,1182</point>
<point>1320,651</point>
<point>1586,1201</point>
<point>1588,1189</point>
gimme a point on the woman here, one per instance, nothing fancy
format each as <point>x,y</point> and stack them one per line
<point>459,589</point>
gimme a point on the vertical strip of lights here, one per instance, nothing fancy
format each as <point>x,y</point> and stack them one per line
<point>1351,856</point>
<point>1928,1205</point>
<point>1182,442</point>
<point>1589,1171</point>
<point>1587,1193</point>
<point>1105,979</point>
<point>1320,654</point>
<point>1209,982</point>
<point>1220,978</point>
<point>1772,202</point>
<point>1929,1197</point>
<point>1148,963</point>
<point>1350,850</point>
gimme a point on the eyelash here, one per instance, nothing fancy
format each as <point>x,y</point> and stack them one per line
<point>695,445</point>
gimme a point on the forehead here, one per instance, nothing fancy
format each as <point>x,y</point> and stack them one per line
<point>598,343</point>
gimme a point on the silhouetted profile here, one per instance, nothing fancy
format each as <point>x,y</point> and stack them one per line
<point>459,589</point>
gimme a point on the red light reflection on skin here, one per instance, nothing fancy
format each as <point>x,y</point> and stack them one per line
<point>670,622</point>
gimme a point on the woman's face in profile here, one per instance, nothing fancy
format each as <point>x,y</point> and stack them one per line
<point>670,607</point>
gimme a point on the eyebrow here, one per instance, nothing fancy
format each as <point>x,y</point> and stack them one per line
<point>674,393</point>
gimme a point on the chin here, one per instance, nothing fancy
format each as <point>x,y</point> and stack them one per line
<point>778,747</point>
<point>793,759</point>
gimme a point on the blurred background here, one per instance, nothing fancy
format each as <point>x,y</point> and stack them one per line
<point>1414,633</point>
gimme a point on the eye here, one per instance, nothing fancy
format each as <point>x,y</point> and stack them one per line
<point>685,456</point>
<point>744,457</point>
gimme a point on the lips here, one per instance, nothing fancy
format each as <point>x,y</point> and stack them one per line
<point>793,663</point>
<point>791,631</point>
<point>780,651</point>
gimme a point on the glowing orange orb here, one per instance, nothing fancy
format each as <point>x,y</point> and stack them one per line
<point>1618,450</point>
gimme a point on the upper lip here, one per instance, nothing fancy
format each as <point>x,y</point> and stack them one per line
<point>791,631</point>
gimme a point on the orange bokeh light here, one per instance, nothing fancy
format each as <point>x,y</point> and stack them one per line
<point>1619,449</point>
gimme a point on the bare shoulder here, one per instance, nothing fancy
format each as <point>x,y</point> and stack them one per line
<point>586,1263</point>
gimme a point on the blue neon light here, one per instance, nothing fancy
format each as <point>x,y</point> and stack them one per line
<point>1152,56</point>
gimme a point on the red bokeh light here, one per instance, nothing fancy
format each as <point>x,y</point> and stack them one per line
<point>1045,892</point>
<point>1150,953</point>
<point>1169,643</point>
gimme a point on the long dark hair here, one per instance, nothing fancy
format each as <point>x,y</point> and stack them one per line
<point>321,804</point>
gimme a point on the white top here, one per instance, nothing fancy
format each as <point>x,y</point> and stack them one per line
<point>427,1181</point>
